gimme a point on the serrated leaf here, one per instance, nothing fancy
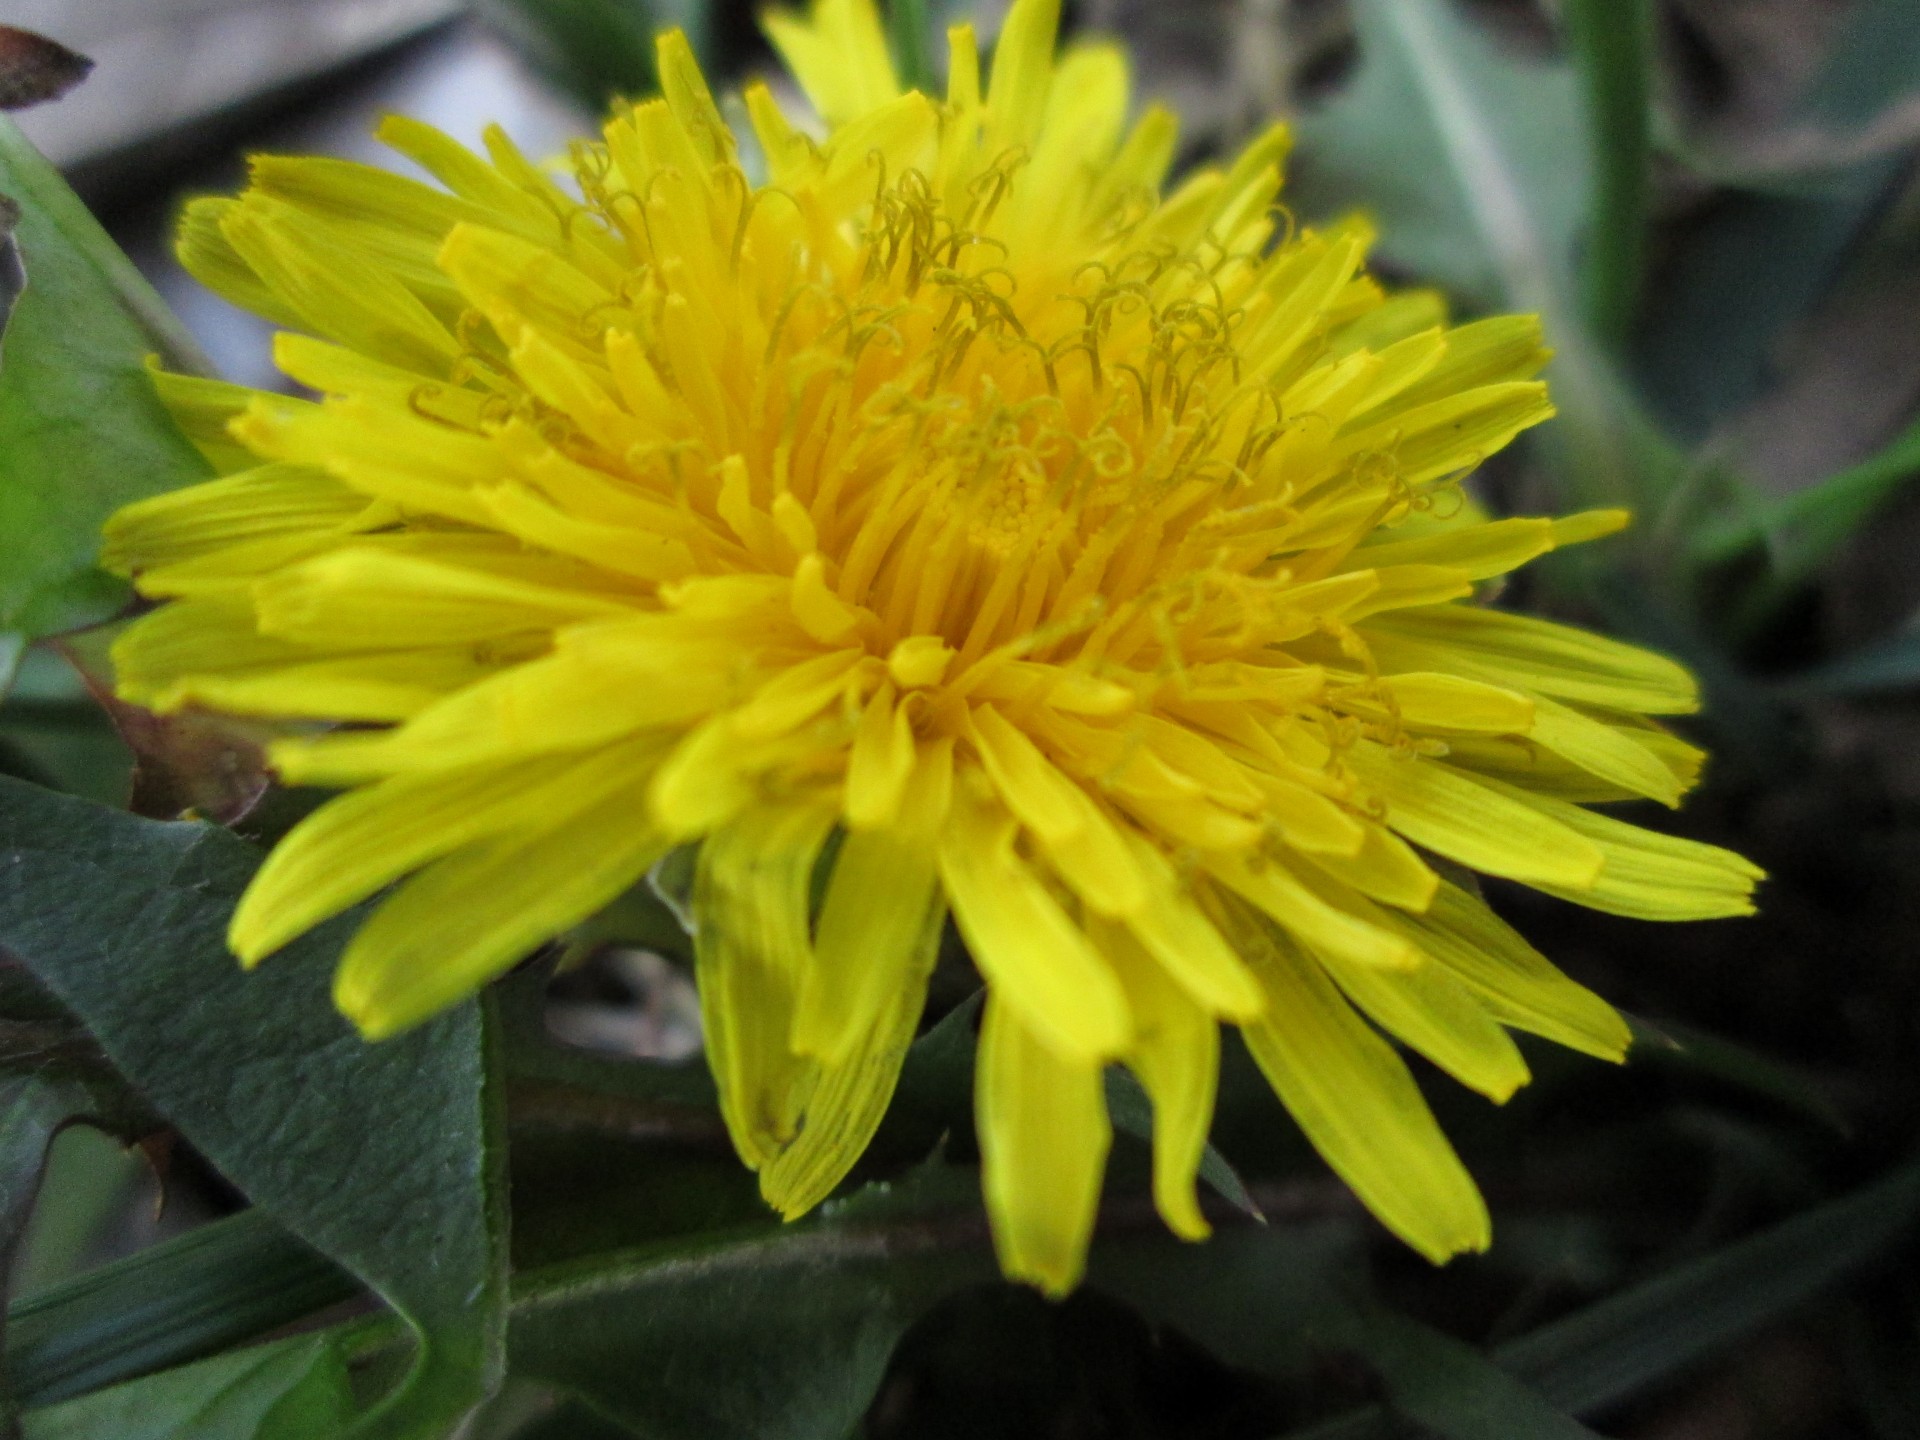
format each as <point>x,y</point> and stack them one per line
<point>380,1156</point>
<point>81,429</point>
<point>282,1391</point>
<point>772,1332</point>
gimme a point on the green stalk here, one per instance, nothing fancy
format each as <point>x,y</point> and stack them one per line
<point>1806,529</point>
<point>1612,44</point>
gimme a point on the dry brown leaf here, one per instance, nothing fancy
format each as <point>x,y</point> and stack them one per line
<point>34,69</point>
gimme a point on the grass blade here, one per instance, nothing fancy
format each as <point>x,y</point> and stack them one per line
<point>1892,665</point>
<point>1629,1341</point>
<point>1612,43</point>
<point>910,35</point>
<point>1618,1347</point>
<point>213,1287</point>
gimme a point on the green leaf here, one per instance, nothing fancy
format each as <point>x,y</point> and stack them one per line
<point>1620,1346</point>
<point>1670,1043</point>
<point>1807,528</point>
<point>51,1075</point>
<point>1863,103</point>
<point>54,733</point>
<point>289,1389</point>
<point>597,50</point>
<point>223,1284</point>
<point>1875,65</point>
<point>13,649</point>
<point>772,1332</point>
<point>1273,1300</point>
<point>81,430</point>
<point>910,36</point>
<point>1740,279</point>
<point>1636,1339</point>
<point>1890,667</point>
<point>1453,1389</point>
<point>381,1156</point>
<point>1803,532</point>
<point>1612,43</point>
<point>1870,86</point>
<point>1470,157</point>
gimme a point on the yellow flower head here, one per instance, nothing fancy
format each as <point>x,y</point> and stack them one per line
<point>1086,562</point>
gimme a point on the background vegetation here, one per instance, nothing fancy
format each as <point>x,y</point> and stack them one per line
<point>525,1219</point>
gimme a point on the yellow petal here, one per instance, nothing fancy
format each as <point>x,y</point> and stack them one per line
<point>1647,875</point>
<point>1034,958</point>
<point>202,409</point>
<point>1358,1104</point>
<point>1446,704</point>
<point>1174,930</point>
<point>880,762</point>
<point>334,291</point>
<point>259,503</point>
<point>839,56</point>
<point>1613,753</point>
<point>750,902</point>
<point>1084,845</point>
<point>1471,821</point>
<point>1385,869</point>
<point>1176,1056</point>
<point>1517,984</point>
<point>875,915</point>
<point>1276,890</point>
<point>411,601</point>
<point>1536,655</point>
<point>466,918</point>
<point>355,844</point>
<point>1430,1010</point>
<point>210,257</point>
<point>380,685</point>
<point>1022,74</point>
<point>849,1095</point>
<point>1044,1136</point>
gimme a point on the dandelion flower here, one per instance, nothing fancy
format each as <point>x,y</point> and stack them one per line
<point>955,515</point>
